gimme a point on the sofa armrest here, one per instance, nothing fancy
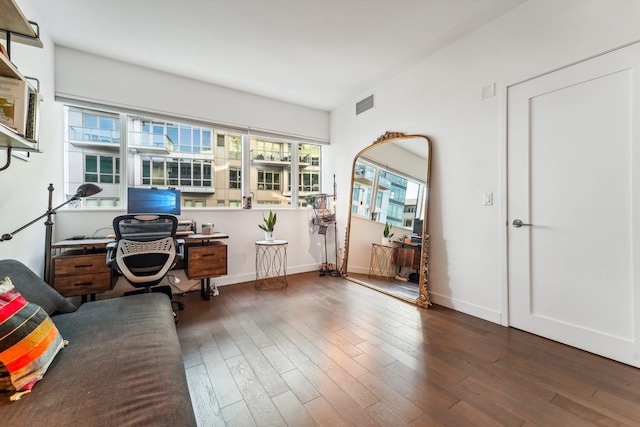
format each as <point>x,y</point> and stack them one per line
<point>33,288</point>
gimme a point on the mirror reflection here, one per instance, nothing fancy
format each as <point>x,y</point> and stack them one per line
<point>386,242</point>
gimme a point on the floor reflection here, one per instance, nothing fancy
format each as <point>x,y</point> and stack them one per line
<point>397,287</point>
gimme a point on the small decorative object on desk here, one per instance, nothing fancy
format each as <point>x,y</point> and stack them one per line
<point>387,234</point>
<point>207,228</point>
<point>268,226</point>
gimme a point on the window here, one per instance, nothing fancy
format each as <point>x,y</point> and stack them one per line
<point>269,150</point>
<point>392,192</point>
<point>235,177</point>
<point>308,169</point>
<point>396,196</point>
<point>194,203</point>
<point>90,126</point>
<point>270,158</point>
<point>309,154</point>
<point>121,150</point>
<point>102,169</point>
<point>227,170</point>
<point>235,147</point>
<point>100,202</point>
<point>170,172</point>
<point>308,181</point>
<point>268,180</point>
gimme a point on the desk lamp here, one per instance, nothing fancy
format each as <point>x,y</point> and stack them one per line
<point>84,190</point>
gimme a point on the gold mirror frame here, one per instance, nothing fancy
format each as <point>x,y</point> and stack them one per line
<point>423,299</point>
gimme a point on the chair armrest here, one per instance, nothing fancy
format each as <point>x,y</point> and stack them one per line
<point>111,253</point>
<point>180,248</point>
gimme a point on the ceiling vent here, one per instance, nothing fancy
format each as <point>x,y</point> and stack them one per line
<point>364,105</point>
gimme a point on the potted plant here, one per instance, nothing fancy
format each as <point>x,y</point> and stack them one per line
<point>387,234</point>
<point>268,226</point>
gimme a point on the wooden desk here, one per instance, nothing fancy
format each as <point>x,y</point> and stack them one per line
<point>80,267</point>
<point>408,255</point>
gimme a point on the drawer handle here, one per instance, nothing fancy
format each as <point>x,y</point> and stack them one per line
<point>83,284</point>
<point>208,255</point>
<point>84,265</point>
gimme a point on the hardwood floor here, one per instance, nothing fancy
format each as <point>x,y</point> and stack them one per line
<point>328,352</point>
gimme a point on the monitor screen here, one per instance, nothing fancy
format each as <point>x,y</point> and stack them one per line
<point>153,200</point>
<point>417,226</point>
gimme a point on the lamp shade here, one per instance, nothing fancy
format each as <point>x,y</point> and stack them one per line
<point>86,190</point>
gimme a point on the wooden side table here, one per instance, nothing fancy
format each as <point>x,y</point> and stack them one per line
<point>381,263</point>
<point>271,264</point>
<point>206,257</point>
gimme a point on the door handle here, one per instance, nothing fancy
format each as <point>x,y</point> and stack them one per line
<point>518,223</point>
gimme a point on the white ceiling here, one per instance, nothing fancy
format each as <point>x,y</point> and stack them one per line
<point>317,53</point>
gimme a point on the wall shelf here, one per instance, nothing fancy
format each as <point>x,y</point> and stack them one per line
<point>14,27</point>
<point>7,69</point>
<point>10,139</point>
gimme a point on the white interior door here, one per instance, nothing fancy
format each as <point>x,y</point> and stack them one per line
<point>572,160</point>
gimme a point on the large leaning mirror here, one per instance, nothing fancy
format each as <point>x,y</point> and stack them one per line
<point>390,190</point>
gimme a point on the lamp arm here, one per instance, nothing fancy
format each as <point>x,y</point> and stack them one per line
<point>9,236</point>
<point>48,214</point>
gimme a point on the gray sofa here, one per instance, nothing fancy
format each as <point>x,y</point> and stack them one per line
<point>123,365</point>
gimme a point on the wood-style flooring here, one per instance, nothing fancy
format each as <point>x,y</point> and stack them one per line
<point>329,352</point>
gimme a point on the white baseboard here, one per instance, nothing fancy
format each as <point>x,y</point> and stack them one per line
<point>251,276</point>
<point>466,307</point>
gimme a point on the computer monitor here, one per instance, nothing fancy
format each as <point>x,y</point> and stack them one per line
<point>417,226</point>
<point>153,200</point>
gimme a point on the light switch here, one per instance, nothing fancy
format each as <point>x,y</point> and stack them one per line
<point>487,199</point>
<point>489,91</point>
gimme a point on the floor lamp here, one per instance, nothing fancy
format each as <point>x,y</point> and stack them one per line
<point>84,190</point>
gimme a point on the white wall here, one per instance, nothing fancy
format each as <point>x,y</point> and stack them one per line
<point>84,76</point>
<point>23,186</point>
<point>441,97</point>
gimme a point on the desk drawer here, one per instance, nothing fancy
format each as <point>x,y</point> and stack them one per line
<point>80,264</point>
<point>82,284</point>
<point>206,261</point>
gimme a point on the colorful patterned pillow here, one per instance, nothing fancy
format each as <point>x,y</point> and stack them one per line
<point>28,342</point>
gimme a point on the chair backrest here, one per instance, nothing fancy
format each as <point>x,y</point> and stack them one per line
<point>146,247</point>
<point>145,227</point>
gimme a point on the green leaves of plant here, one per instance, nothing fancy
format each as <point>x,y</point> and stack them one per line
<point>269,222</point>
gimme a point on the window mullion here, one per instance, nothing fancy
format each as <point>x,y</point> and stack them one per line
<point>245,175</point>
<point>126,171</point>
<point>295,162</point>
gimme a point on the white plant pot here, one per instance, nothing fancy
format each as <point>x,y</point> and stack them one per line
<point>268,236</point>
<point>386,240</point>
